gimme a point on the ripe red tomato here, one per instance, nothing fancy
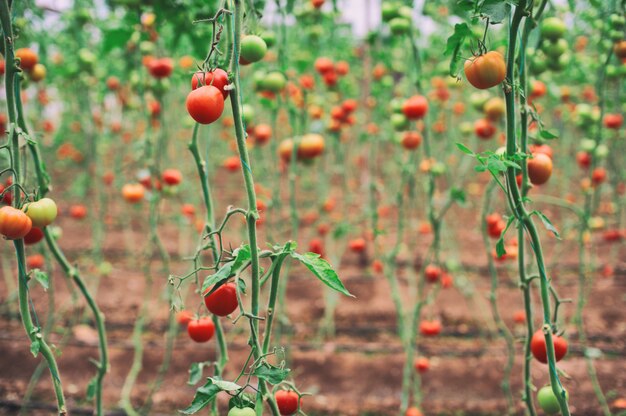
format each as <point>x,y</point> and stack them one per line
<point>161,67</point>
<point>541,148</point>
<point>223,301</point>
<point>188,210</point>
<point>205,104</point>
<point>613,121</point>
<point>539,169</point>
<point>349,105</point>
<point>172,176</point>
<point>421,364</point>
<point>598,175</point>
<point>184,317</point>
<point>218,78</point>
<point>287,402</point>
<point>330,78</point>
<point>28,58</point>
<point>538,89</point>
<point>342,68</point>
<point>413,411</point>
<point>377,266</point>
<point>538,347</point>
<point>357,245</point>
<point>584,159</point>
<point>78,211</point>
<point>317,3</point>
<point>232,163</point>
<point>324,65</point>
<point>113,83</point>
<point>133,192</point>
<point>446,281</point>
<point>311,146</point>
<point>14,224</point>
<point>316,246</point>
<point>612,235</point>
<point>519,317</point>
<point>35,261</point>
<point>411,140</point>
<point>262,133</point>
<point>432,273</point>
<point>201,330</point>
<point>485,71</point>
<point>415,107</point>
<point>484,129</point>
<point>430,328</point>
<point>34,236</point>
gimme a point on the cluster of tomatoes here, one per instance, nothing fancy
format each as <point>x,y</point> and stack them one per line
<point>27,223</point>
<point>134,193</point>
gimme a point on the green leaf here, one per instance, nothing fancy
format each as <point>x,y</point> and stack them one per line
<point>480,168</point>
<point>233,267</point>
<point>42,278</point>
<point>341,230</point>
<point>496,10</point>
<point>548,224</point>
<point>461,31</point>
<point>458,196</point>
<point>322,270</point>
<point>195,373</point>
<point>241,285</point>
<point>465,149</point>
<point>500,250</point>
<point>34,347</point>
<point>225,385</point>
<point>91,388</point>
<point>271,374</point>
<point>115,38</point>
<point>496,165</point>
<point>511,164</point>
<point>241,401</point>
<point>548,135</point>
<point>203,397</point>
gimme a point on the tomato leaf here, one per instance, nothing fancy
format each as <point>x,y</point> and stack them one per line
<point>115,38</point>
<point>458,196</point>
<point>34,347</point>
<point>241,401</point>
<point>42,278</point>
<point>271,374</point>
<point>91,388</point>
<point>496,10</point>
<point>465,149</point>
<point>195,373</point>
<point>203,397</point>
<point>454,44</point>
<point>322,270</point>
<point>340,230</point>
<point>548,135</point>
<point>225,385</point>
<point>548,224</point>
<point>231,268</point>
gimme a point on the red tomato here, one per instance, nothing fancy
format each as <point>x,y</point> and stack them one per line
<point>232,163</point>
<point>421,364</point>
<point>541,148</point>
<point>349,105</point>
<point>78,211</point>
<point>612,235</point>
<point>484,129</point>
<point>223,301</point>
<point>430,328</point>
<point>34,236</point>
<point>538,347</point>
<point>415,107</point>
<point>28,58</point>
<point>133,192</point>
<point>358,245</point>
<point>446,281</point>
<point>342,68</point>
<point>287,402</point>
<point>613,121</point>
<point>35,261</point>
<point>538,89</point>
<point>188,210</point>
<point>377,266</point>
<point>485,71</point>
<point>161,67</point>
<point>598,175</point>
<point>316,246</point>
<point>539,169</point>
<point>205,104</point>
<point>113,83</point>
<point>201,330</point>
<point>218,78</point>
<point>172,176</point>
<point>311,146</point>
<point>411,140</point>
<point>317,3</point>
<point>184,317</point>
<point>262,133</point>
<point>330,78</point>
<point>324,65</point>
<point>14,223</point>
<point>584,159</point>
<point>413,411</point>
<point>519,317</point>
<point>432,273</point>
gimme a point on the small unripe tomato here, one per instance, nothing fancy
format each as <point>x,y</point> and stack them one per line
<point>14,224</point>
<point>552,28</point>
<point>41,212</point>
<point>205,104</point>
<point>201,330</point>
<point>223,301</point>
<point>494,108</point>
<point>245,411</point>
<point>253,49</point>
<point>538,347</point>
<point>38,73</point>
<point>485,71</point>
<point>287,402</point>
<point>539,168</point>
<point>548,401</point>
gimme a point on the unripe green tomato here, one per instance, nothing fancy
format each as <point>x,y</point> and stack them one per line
<point>556,48</point>
<point>616,35</point>
<point>269,37</point>
<point>169,191</point>
<point>161,85</point>
<point>606,44</point>
<point>548,401</point>
<point>146,47</point>
<point>105,268</point>
<point>395,105</point>
<point>55,232</point>
<point>466,128</point>
<point>20,23</point>
<point>389,10</point>
<point>559,64</point>
<point>478,100</point>
<point>253,48</point>
<point>611,71</point>
<point>553,28</point>
<point>406,12</point>
<point>597,25</point>
<point>42,212</point>
<point>621,70</point>
<point>316,32</point>
<point>399,122</point>
<point>439,168</point>
<point>83,16</point>
<point>387,81</point>
<point>86,57</point>
<point>601,151</point>
<point>258,79</point>
<point>617,21</point>
<point>400,25</point>
<point>247,113</point>
<point>274,81</point>
<point>538,63</point>
<point>587,145</point>
<point>246,411</point>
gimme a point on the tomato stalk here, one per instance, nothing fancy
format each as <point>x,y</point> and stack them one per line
<point>518,206</point>
<point>252,213</point>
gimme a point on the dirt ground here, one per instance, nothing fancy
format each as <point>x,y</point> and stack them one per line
<point>359,371</point>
